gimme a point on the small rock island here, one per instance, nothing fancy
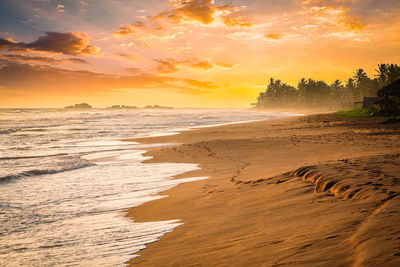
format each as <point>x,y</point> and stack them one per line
<point>157,107</point>
<point>122,107</point>
<point>80,106</point>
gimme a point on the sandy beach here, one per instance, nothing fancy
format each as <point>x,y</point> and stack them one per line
<point>318,190</point>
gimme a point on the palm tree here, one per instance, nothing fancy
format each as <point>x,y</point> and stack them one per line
<point>362,83</point>
<point>351,88</point>
<point>337,84</point>
<point>337,94</point>
<point>382,74</point>
<point>393,73</point>
<point>359,76</point>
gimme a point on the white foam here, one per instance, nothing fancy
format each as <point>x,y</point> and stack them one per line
<point>75,217</point>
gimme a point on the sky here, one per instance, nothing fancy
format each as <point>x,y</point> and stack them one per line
<point>184,53</point>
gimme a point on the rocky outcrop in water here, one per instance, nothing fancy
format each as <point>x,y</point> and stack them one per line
<point>80,106</point>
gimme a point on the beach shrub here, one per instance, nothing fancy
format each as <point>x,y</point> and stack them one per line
<point>357,113</point>
<point>368,113</point>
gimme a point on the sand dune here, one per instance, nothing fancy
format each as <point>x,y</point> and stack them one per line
<point>318,190</point>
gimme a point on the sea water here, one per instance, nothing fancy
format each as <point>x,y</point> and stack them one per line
<point>66,181</point>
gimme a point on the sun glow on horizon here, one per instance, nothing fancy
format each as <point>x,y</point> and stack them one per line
<point>192,53</point>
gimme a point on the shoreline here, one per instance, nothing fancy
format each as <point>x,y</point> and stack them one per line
<point>190,128</point>
<point>255,209</point>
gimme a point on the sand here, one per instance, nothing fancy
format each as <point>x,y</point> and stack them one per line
<point>319,190</point>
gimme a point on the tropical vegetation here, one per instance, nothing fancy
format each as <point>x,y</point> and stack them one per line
<point>337,95</point>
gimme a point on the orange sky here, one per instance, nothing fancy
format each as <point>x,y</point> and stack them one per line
<point>192,53</point>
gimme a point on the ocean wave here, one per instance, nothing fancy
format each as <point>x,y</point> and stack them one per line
<point>38,172</point>
<point>33,157</point>
<point>35,130</point>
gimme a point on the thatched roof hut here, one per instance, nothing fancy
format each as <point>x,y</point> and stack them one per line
<point>392,89</point>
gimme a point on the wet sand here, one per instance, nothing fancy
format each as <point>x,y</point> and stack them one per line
<point>319,190</point>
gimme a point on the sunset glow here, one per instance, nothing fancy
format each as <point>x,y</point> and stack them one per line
<point>184,53</point>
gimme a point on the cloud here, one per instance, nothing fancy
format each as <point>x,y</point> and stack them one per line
<point>332,19</point>
<point>127,56</point>
<point>77,60</point>
<point>41,59</point>
<point>236,22</point>
<point>200,84</point>
<point>166,66</point>
<point>60,8</point>
<point>70,43</point>
<point>129,29</point>
<point>225,65</point>
<point>309,26</point>
<point>53,80</point>
<point>205,65</point>
<point>371,11</point>
<point>273,36</point>
<point>246,36</point>
<point>135,70</point>
<point>204,12</point>
<point>190,10</point>
<point>337,16</point>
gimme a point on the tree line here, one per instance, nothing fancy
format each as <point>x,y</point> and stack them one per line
<point>339,94</point>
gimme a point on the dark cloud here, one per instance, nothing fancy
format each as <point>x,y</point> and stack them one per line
<point>43,59</point>
<point>6,43</point>
<point>127,56</point>
<point>76,60</point>
<point>53,80</point>
<point>70,43</point>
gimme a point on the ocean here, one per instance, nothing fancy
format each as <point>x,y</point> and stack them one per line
<point>66,181</point>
